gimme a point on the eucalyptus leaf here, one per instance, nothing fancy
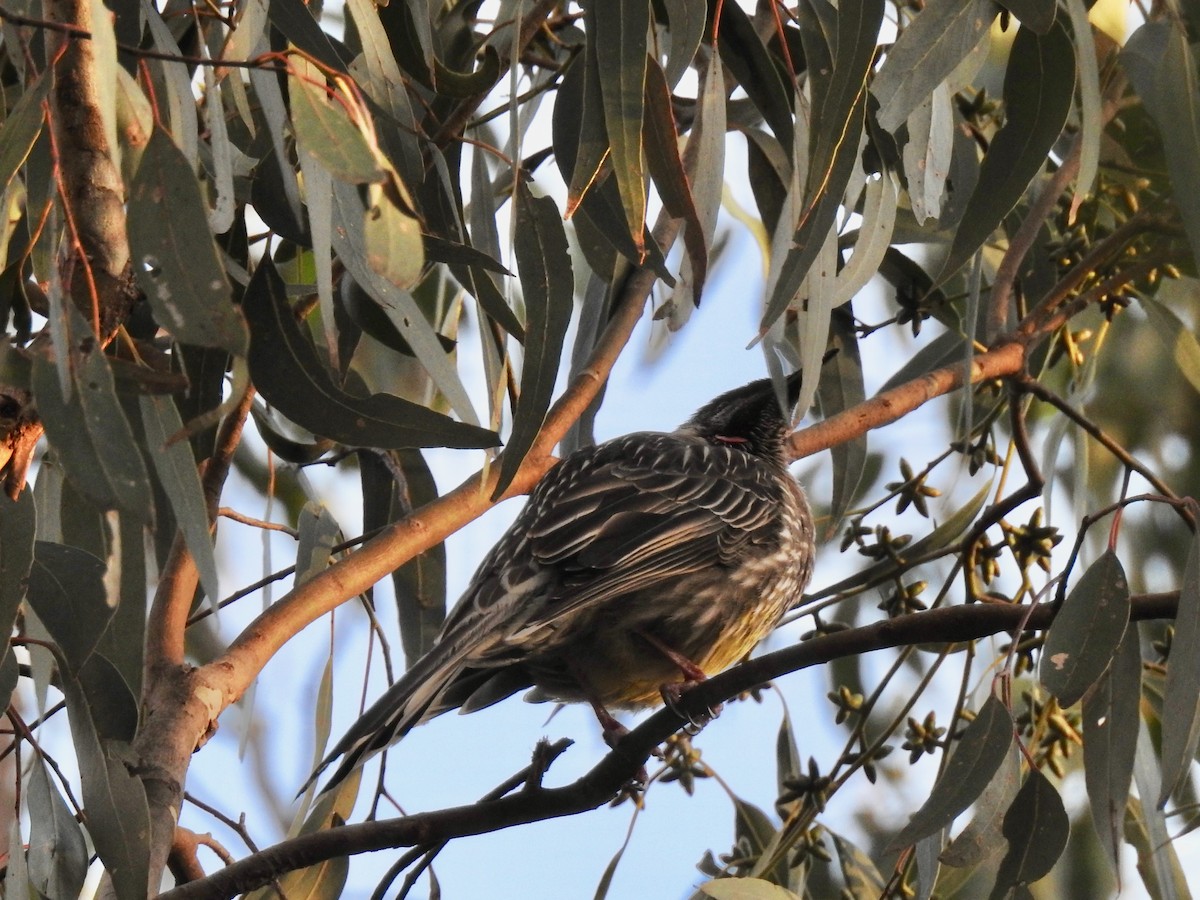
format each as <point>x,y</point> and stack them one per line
<point>1087,630</point>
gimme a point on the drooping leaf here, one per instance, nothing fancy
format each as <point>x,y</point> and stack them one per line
<point>58,857</point>
<point>1036,15</point>
<point>317,532</point>
<point>979,753</point>
<point>1110,729</point>
<point>89,430</point>
<point>838,121</point>
<point>1039,86</point>
<point>177,474</point>
<point>1091,113</point>
<point>666,169</point>
<point>1162,68</point>
<point>16,873</point>
<point>983,837</point>
<point>17,531</point>
<point>928,49</point>
<point>1178,339</point>
<point>115,799</point>
<point>548,287</point>
<point>617,30</point>
<point>746,889</point>
<point>862,877</point>
<point>296,23</point>
<point>66,590</point>
<point>325,128</point>
<point>420,583</point>
<point>929,152</point>
<point>350,245</point>
<point>754,831</point>
<point>392,234</point>
<point>290,375</point>
<point>1085,634</point>
<point>21,129</point>
<point>687,21</point>
<point>756,71</point>
<point>174,257</point>
<point>840,391</point>
<point>113,708</point>
<point>1037,829</point>
<point>580,140</point>
<point>1181,696</point>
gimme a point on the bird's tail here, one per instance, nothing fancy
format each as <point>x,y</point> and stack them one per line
<point>407,703</point>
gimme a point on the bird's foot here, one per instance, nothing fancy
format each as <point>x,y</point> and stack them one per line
<point>612,731</point>
<point>673,693</point>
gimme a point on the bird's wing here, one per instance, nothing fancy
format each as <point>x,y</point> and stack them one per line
<point>637,512</point>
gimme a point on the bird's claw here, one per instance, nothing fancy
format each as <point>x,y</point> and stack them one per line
<point>672,694</point>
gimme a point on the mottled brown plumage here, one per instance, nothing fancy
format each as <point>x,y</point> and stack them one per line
<point>636,565</point>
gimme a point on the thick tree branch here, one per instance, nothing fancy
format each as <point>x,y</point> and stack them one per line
<point>954,624</point>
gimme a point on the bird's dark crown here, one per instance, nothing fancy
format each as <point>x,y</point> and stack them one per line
<point>748,417</point>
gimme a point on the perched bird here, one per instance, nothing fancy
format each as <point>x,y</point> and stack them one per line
<point>637,567</point>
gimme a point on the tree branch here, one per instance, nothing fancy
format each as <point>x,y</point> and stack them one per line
<point>953,624</point>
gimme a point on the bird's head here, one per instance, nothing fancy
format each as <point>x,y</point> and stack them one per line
<point>749,418</point>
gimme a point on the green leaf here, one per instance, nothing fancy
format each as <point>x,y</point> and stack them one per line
<point>666,169</point>
<point>66,590</point>
<point>17,531</point>
<point>58,857</point>
<point>326,879</point>
<point>325,129</point>
<point>420,583</point>
<point>174,257</point>
<point>1037,829</point>
<point>89,430</point>
<point>979,753</point>
<point>983,837</point>
<point>21,129</point>
<point>295,21</point>
<point>746,889</point>
<point>1181,697</point>
<point>548,287</point>
<point>838,121</point>
<point>1162,69</point>
<point>756,71</point>
<point>617,30</point>
<point>350,245</point>
<point>1178,339</point>
<point>16,874</point>
<point>1110,729</point>
<point>317,533</point>
<point>703,156</point>
<point>580,141</point>
<point>1085,633</point>
<point>1036,15</point>
<point>118,816</point>
<point>862,877</point>
<point>291,376</point>
<point>842,389</point>
<point>754,833</point>
<point>1091,112</point>
<point>114,709</point>
<point>928,49</point>
<point>929,152</point>
<point>686,21</point>
<point>1039,86</point>
<point>392,234</point>
<point>180,481</point>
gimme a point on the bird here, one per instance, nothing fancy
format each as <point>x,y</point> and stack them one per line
<point>637,568</point>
